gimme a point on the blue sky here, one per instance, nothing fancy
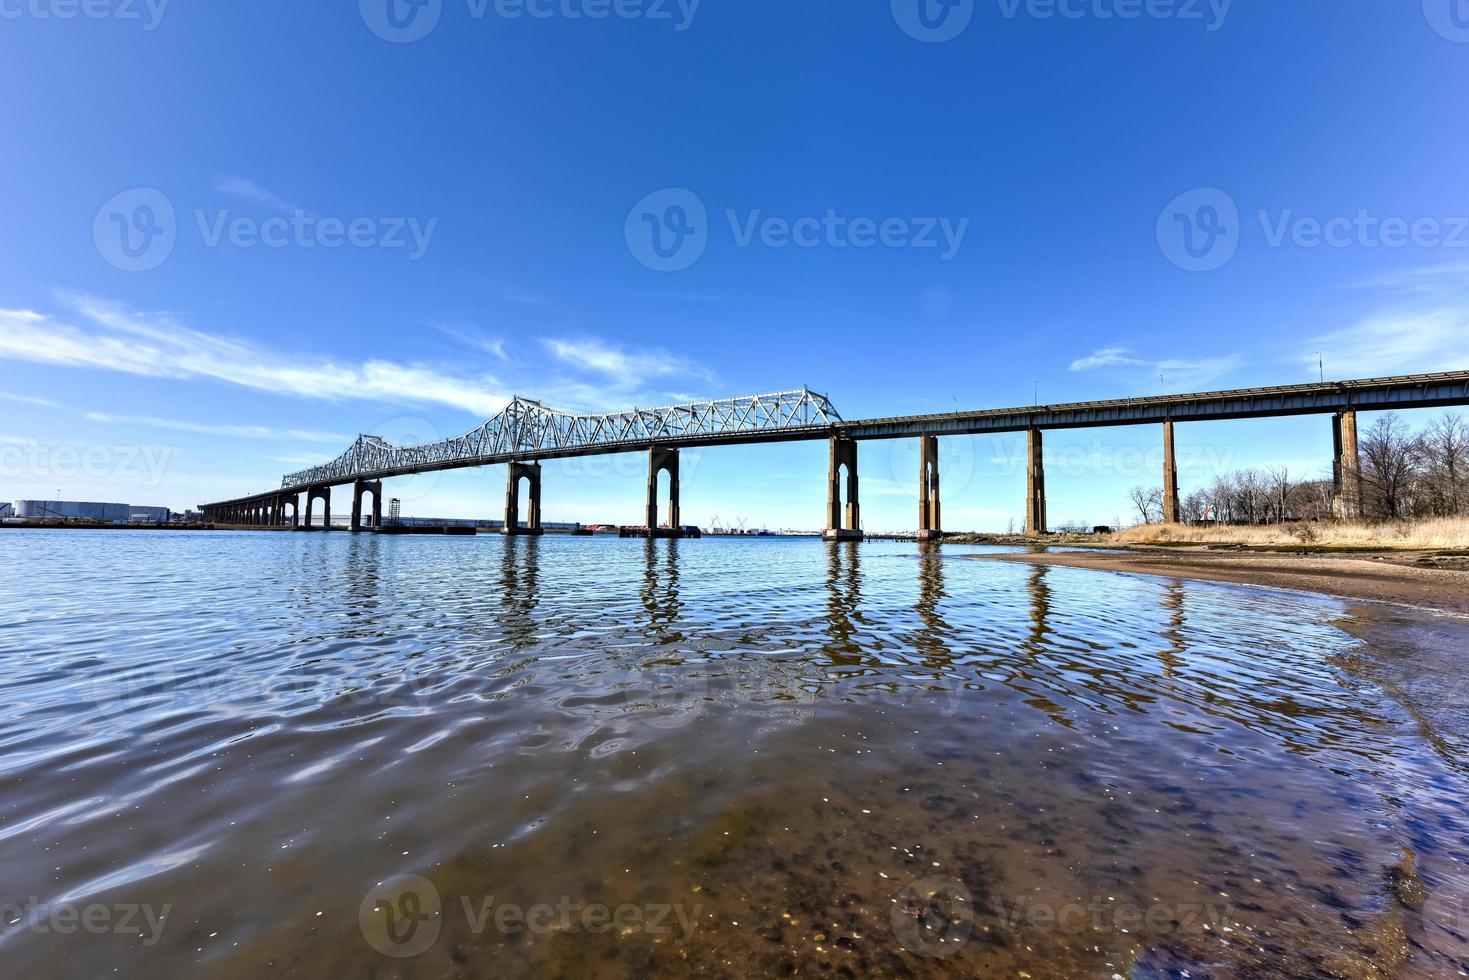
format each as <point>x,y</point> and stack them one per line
<point>335,226</point>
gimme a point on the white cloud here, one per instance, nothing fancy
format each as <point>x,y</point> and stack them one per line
<point>1178,373</point>
<point>629,369</point>
<point>1424,327</point>
<point>1106,357</point>
<point>238,431</point>
<point>247,189</point>
<point>158,346</point>
<point>489,345</point>
<point>11,396</point>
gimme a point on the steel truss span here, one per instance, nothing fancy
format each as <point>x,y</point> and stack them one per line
<point>526,429</point>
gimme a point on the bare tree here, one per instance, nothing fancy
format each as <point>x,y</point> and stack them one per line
<point>1281,489</point>
<point>1196,506</point>
<point>1445,450</point>
<point>1149,504</point>
<point>1390,457</point>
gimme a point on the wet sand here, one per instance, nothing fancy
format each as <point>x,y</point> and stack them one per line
<point>1418,580</point>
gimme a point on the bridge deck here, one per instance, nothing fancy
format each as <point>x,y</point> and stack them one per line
<point>1372,394</point>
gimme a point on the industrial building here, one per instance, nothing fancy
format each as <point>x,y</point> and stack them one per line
<point>80,510</point>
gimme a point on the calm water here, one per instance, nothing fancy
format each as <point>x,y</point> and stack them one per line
<point>312,755</point>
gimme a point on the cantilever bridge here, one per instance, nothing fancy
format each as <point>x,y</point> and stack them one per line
<point>526,432</point>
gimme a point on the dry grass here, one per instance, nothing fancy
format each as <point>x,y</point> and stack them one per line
<point>1446,534</point>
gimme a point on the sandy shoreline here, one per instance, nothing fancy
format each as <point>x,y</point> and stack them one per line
<point>1410,610</point>
<point>1411,579</point>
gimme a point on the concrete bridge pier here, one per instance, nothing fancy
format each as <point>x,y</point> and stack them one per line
<point>662,459</point>
<point>1347,466</point>
<point>324,494</point>
<point>843,521</point>
<point>1171,510</point>
<point>532,473</point>
<point>292,503</point>
<point>1035,490</point>
<point>928,489</point>
<point>359,488</point>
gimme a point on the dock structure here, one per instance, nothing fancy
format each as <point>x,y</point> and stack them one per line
<point>526,433</point>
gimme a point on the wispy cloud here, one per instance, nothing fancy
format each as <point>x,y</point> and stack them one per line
<point>246,189</point>
<point>1106,357</point>
<point>11,396</point>
<point>629,368</point>
<point>110,338</point>
<point>205,428</point>
<point>1422,325</point>
<point>1396,342</point>
<point>494,346</point>
<point>1176,372</point>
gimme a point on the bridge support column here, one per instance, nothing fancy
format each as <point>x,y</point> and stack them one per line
<point>928,489</point>
<point>1347,466</point>
<point>1171,510</point>
<point>324,494</point>
<point>518,472</point>
<point>843,521</point>
<point>375,488</point>
<point>1035,502</point>
<point>662,459</point>
<point>292,501</point>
